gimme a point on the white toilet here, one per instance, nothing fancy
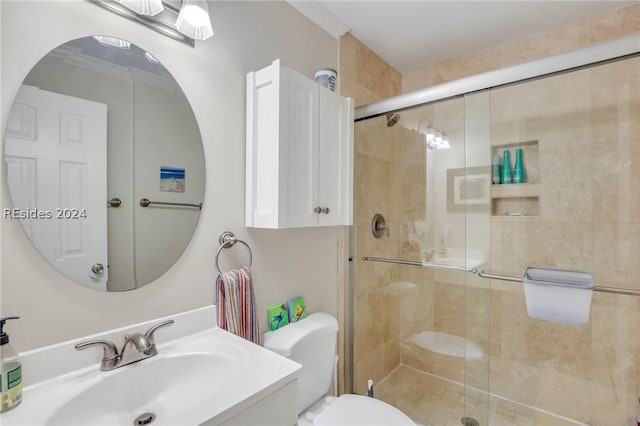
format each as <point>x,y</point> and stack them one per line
<point>312,343</point>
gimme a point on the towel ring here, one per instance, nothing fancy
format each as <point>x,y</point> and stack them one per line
<point>227,240</point>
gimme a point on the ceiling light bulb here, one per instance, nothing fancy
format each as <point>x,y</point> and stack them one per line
<point>143,7</point>
<point>193,20</point>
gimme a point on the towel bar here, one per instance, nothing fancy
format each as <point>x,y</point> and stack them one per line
<point>602,289</point>
<point>489,275</point>
<point>432,265</point>
<point>145,202</point>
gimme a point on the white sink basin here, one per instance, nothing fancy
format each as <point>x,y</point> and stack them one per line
<point>160,385</point>
<point>204,377</point>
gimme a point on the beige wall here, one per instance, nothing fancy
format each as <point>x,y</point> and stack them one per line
<point>248,36</point>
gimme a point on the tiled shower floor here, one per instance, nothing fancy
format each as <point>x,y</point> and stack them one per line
<point>437,402</point>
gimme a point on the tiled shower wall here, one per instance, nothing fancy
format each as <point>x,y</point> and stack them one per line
<point>587,124</point>
<point>587,128</point>
<point>589,209</point>
<point>366,78</point>
<point>567,37</point>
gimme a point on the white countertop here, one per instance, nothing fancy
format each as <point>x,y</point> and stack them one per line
<point>241,374</point>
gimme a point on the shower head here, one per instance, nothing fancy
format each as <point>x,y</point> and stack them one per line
<point>392,119</point>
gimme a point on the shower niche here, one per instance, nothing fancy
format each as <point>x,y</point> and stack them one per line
<point>517,200</point>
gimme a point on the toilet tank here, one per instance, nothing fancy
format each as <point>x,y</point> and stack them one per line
<point>311,342</point>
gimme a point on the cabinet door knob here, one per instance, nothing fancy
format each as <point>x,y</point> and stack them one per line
<point>324,210</point>
<point>317,210</point>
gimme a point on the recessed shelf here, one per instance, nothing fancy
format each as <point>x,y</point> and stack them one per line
<point>511,207</point>
<point>530,157</point>
<point>518,198</point>
<point>519,219</point>
<point>515,190</point>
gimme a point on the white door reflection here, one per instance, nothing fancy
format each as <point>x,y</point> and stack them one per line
<point>52,141</point>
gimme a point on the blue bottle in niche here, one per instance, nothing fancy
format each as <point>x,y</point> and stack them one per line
<point>518,168</point>
<point>506,176</point>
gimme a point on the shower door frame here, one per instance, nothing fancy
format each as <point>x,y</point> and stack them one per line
<point>598,53</point>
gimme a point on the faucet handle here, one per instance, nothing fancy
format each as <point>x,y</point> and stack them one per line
<point>110,354</point>
<point>150,333</point>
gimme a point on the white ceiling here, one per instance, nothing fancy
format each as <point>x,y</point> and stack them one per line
<point>410,35</point>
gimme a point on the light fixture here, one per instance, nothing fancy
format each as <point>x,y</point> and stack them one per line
<point>444,143</point>
<point>193,20</point>
<point>149,57</point>
<point>143,7</point>
<point>435,137</point>
<point>113,42</point>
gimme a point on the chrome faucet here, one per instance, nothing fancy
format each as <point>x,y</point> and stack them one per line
<point>110,357</point>
<point>144,344</point>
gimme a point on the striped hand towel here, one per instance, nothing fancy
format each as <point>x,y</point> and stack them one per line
<point>236,304</point>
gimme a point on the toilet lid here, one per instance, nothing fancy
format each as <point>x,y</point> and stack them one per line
<point>357,410</point>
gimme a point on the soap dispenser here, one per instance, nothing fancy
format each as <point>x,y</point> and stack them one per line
<point>10,371</point>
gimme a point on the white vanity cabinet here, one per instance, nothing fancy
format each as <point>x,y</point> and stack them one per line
<point>299,170</point>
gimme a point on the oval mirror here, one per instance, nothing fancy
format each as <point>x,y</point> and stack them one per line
<point>105,165</point>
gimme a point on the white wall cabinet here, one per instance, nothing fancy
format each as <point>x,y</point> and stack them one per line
<point>299,170</point>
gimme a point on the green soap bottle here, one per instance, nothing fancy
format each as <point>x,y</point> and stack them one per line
<point>505,174</point>
<point>10,371</point>
<point>518,168</point>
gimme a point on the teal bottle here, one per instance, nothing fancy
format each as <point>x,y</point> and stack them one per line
<point>495,169</point>
<point>506,176</point>
<point>518,168</point>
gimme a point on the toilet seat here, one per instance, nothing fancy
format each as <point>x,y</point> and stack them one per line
<point>357,410</point>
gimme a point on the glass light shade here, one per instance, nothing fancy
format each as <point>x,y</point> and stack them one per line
<point>437,138</point>
<point>193,20</point>
<point>444,143</point>
<point>149,57</point>
<point>143,7</point>
<point>113,42</point>
<point>429,133</point>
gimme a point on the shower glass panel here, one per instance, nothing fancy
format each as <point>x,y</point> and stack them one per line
<point>410,322</point>
<point>444,345</point>
<point>580,134</point>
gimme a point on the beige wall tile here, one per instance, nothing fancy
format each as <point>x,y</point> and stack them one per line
<point>582,33</point>
<point>615,23</point>
<point>363,75</point>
